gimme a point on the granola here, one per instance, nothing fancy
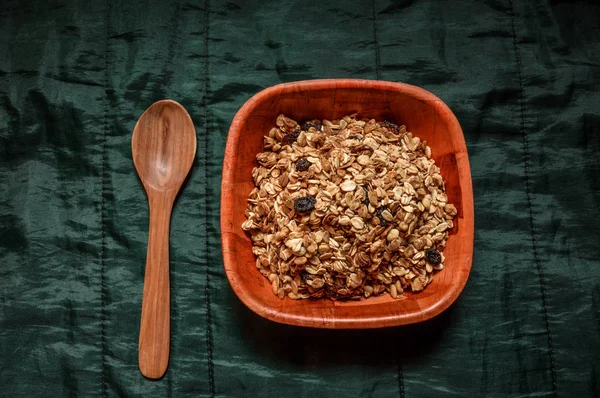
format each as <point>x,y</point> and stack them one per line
<point>347,208</point>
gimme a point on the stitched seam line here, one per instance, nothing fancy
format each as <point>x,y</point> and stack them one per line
<point>534,242</point>
<point>376,39</point>
<point>209,337</point>
<point>400,380</point>
<point>104,384</point>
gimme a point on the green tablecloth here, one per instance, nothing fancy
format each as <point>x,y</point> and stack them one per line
<point>523,78</point>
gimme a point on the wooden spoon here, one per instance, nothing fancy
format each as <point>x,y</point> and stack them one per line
<point>163,147</point>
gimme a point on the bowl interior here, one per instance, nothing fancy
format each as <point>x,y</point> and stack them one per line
<point>425,116</point>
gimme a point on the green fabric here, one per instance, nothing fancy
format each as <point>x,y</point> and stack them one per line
<point>523,78</point>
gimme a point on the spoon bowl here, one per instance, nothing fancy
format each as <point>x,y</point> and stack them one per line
<point>163,147</point>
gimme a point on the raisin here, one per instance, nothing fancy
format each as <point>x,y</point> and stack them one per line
<point>433,256</point>
<point>302,164</point>
<point>382,221</point>
<point>353,137</point>
<point>305,276</point>
<point>308,124</point>
<point>366,199</point>
<point>304,204</point>
<point>290,138</point>
<point>390,126</point>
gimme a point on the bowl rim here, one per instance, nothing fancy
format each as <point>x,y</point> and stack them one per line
<point>228,185</point>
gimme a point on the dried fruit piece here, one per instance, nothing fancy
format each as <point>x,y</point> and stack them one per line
<point>433,256</point>
<point>304,204</point>
<point>391,126</point>
<point>305,276</point>
<point>308,124</point>
<point>290,138</point>
<point>379,213</point>
<point>302,164</point>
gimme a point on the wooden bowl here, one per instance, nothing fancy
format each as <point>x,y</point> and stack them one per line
<point>426,116</point>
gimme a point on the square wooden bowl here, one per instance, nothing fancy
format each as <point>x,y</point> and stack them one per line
<point>426,116</point>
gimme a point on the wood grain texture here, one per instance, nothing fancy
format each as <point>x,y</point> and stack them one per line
<point>426,116</point>
<point>163,148</point>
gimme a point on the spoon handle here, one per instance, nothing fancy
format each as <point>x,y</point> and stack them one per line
<point>153,355</point>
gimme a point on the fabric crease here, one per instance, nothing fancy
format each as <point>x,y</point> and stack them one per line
<point>530,206</point>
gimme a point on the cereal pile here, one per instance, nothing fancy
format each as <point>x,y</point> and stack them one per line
<point>347,209</point>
